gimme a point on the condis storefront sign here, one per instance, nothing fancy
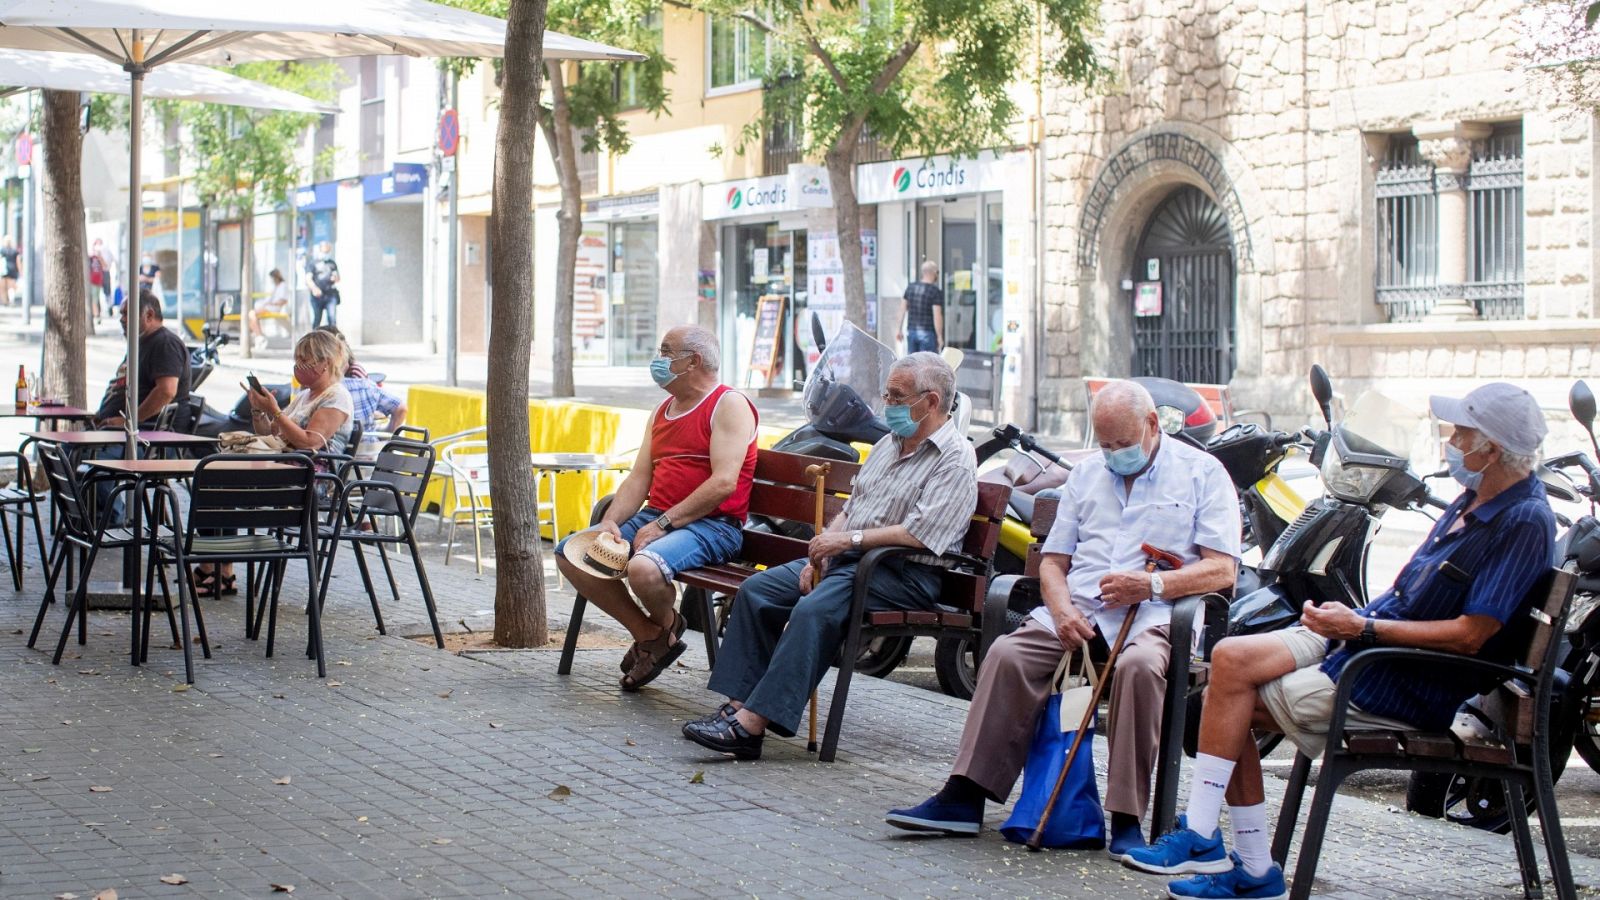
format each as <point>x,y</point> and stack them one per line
<point>934,176</point>
<point>804,187</point>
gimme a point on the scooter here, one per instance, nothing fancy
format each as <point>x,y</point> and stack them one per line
<point>1575,719</point>
<point>204,356</point>
<point>1322,554</point>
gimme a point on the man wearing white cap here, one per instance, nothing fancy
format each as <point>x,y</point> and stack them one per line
<point>1469,579</point>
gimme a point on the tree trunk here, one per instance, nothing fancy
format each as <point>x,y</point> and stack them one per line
<point>519,603</point>
<point>840,160</point>
<point>557,127</point>
<point>62,250</point>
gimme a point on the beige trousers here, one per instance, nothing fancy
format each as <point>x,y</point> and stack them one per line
<point>1013,686</point>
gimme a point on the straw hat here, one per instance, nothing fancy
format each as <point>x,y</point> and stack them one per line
<point>600,553</point>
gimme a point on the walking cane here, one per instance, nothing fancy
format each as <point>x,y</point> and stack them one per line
<point>1155,558</point>
<point>820,473</point>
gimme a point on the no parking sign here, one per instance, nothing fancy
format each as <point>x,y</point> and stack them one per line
<point>449,132</point>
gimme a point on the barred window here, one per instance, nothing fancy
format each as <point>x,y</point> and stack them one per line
<point>1408,231</point>
<point>1494,224</point>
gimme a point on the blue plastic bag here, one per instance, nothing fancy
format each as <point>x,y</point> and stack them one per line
<point>1077,822</point>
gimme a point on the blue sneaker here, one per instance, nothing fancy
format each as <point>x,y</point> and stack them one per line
<point>1181,852</point>
<point>940,817</point>
<point>1233,883</point>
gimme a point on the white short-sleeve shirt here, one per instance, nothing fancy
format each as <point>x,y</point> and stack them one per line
<point>1183,502</point>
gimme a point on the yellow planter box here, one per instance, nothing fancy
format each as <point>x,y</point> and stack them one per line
<point>554,426</point>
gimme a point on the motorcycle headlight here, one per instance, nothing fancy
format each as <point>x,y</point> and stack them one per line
<point>1352,483</point>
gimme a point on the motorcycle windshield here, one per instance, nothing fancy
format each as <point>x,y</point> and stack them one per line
<point>1387,427</point>
<point>843,395</point>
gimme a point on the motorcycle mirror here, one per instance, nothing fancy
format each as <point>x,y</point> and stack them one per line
<point>1322,389</point>
<point>817,337</point>
<point>1581,401</point>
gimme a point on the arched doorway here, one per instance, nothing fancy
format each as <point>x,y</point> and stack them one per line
<point>1188,250</point>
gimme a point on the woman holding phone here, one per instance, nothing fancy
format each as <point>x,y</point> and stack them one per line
<point>317,419</point>
<point>318,416</point>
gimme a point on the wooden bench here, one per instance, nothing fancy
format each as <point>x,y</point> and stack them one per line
<point>782,494</point>
<point>1517,752</point>
<point>1180,716</point>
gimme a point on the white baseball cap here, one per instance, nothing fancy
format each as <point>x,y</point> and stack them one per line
<point>1504,413</point>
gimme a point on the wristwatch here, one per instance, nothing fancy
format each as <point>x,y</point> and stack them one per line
<point>664,522</point>
<point>1369,633</point>
<point>1156,587</point>
<point>855,539</point>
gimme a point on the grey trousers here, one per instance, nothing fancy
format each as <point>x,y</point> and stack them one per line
<point>779,643</point>
<point>1013,686</point>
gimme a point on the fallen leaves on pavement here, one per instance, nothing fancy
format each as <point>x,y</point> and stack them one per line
<point>561,792</point>
<point>174,878</point>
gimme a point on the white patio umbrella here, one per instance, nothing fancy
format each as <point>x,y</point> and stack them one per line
<point>27,69</point>
<point>141,35</point>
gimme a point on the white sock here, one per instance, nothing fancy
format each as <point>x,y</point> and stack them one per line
<point>1250,838</point>
<point>1206,790</point>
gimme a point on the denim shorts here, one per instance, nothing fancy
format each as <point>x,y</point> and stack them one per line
<point>703,542</point>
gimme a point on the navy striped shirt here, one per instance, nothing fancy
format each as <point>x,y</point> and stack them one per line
<point>1504,546</point>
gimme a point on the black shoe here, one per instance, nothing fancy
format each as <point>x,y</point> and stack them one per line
<point>725,736</point>
<point>725,711</point>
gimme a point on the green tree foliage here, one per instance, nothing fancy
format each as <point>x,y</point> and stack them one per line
<point>243,158</point>
<point>583,107</point>
<point>920,76</point>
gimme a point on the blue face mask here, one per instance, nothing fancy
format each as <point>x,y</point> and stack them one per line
<point>900,421</point>
<point>1128,460</point>
<point>1457,461</point>
<point>661,370</point>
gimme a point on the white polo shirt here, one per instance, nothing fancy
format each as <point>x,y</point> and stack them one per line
<point>1184,501</point>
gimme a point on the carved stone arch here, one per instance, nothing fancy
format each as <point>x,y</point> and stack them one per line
<point>1176,151</point>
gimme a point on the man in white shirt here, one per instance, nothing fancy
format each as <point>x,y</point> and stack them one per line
<point>1144,489</point>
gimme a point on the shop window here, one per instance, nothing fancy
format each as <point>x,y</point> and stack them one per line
<point>1408,231</point>
<point>738,54</point>
<point>1494,224</point>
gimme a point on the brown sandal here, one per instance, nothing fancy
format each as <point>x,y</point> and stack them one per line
<point>679,626</point>
<point>653,658</point>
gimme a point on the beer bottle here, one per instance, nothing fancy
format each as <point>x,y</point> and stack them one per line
<point>22,389</point>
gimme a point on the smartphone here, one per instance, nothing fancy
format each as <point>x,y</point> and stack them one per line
<point>255,383</point>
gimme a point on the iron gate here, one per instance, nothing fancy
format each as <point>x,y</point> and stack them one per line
<point>1192,339</point>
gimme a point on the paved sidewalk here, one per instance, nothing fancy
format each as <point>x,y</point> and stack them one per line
<point>411,772</point>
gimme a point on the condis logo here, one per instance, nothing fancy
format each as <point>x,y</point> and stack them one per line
<point>735,198</point>
<point>901,180</point>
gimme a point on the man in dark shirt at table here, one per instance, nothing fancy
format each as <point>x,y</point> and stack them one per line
<point>163,369</point>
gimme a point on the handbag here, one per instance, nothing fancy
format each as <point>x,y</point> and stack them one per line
<point>248,442</point>
<point>1077,821</point>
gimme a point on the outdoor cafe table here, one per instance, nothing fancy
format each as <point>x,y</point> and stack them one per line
<point>53,413</point>
<point>78,441</point>
<point>145,473</point>
<point>546,466</point>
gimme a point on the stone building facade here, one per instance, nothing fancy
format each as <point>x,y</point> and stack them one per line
<point>1374,185</point>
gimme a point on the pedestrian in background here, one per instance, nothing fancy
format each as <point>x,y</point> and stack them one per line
<point>150,275</point>
<point>277,303</point>
<point>322,278</point>
<point>10,270</point>
<point>923,312</point>
<point>99,278</point>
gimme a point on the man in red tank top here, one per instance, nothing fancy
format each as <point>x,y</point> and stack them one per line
<point>682,507</point>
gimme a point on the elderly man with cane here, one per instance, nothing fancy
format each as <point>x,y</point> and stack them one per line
<point>1145,489</point>
<point>918,488</point>
<point>1457,594</point>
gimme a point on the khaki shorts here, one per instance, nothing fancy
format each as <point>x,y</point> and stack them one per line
<point>1301,702</point>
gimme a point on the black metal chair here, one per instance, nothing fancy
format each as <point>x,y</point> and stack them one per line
<point>22,503</point>
<point>391,492</point>
<point>77,529</point>
<point>1518,755</point>
<point>273,511</point>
